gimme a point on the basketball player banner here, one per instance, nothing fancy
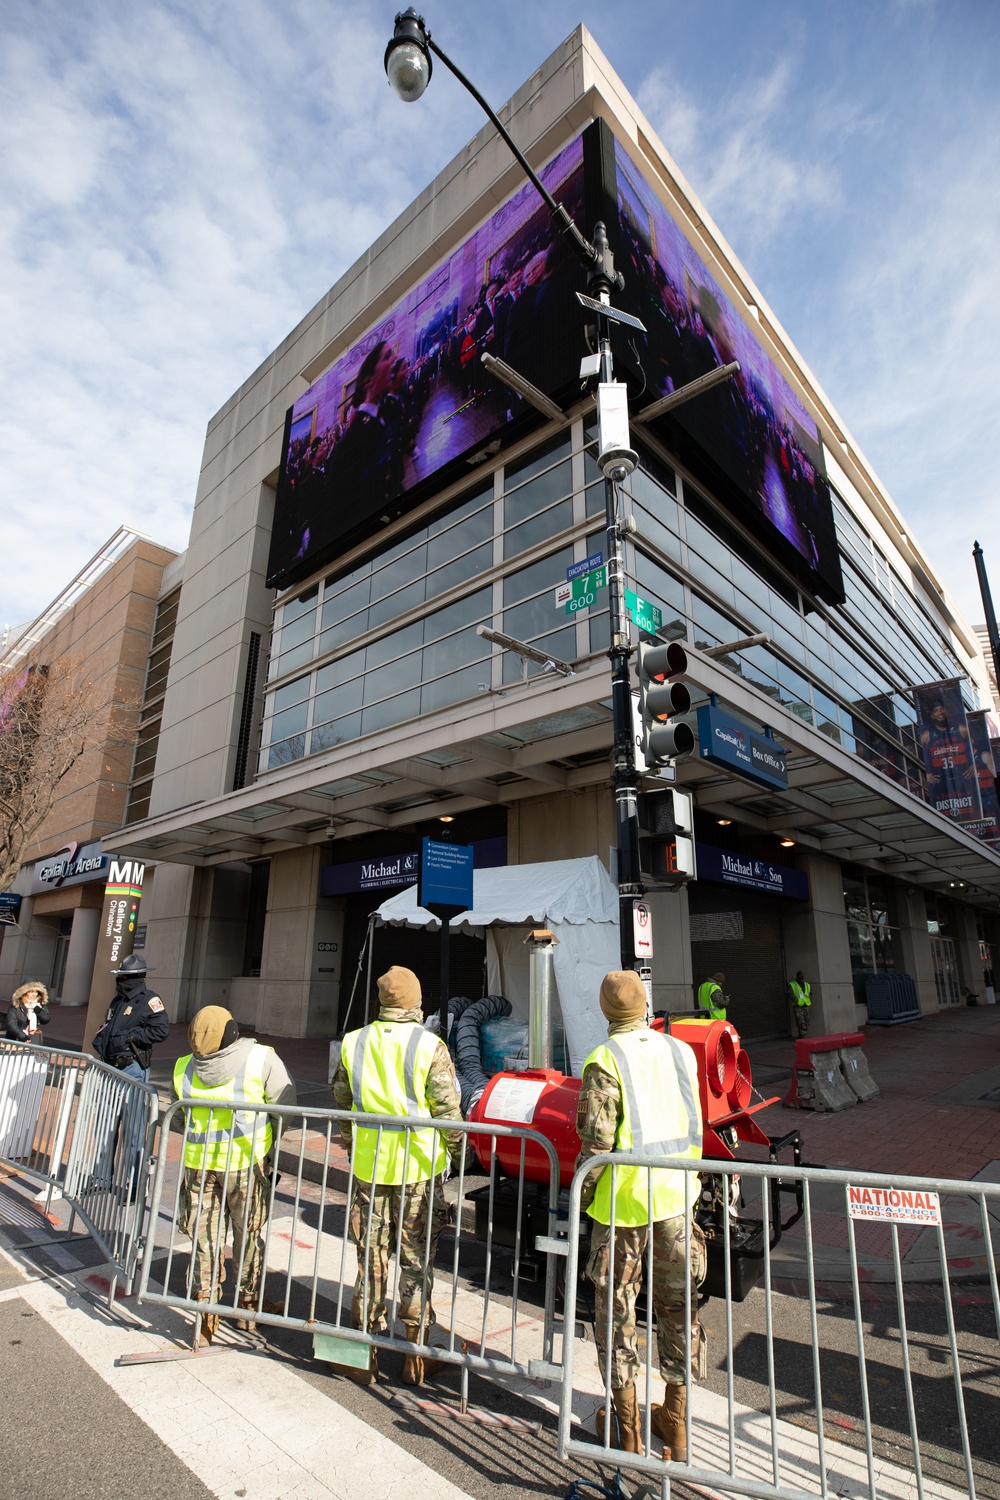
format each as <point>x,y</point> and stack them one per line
<point>943,736</point>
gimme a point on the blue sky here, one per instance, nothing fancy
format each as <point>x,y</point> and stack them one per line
<point>180,182</point>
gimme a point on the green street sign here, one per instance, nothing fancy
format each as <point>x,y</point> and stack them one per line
<point>645,614</point>
<point>581,593</point>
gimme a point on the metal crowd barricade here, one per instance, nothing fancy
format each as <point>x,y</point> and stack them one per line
<point>84,1130</point>
<point>492,1323</point>
<point>812,1448</point>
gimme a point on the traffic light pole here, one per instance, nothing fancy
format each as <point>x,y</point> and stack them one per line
<point>624,774</point>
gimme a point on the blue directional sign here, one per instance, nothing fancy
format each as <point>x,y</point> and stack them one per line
<point>589,565</point>
<point>10,909</point>
<point>725,742</point>
<point>445,875</point>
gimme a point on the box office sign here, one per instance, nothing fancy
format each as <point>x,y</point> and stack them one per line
<point>73,864</point>
<point>724,741</point>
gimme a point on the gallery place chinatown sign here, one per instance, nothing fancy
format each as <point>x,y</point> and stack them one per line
<point>730,868</point>
<point>724,741</point>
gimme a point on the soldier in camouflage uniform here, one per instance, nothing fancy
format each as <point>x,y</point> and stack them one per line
<point>395,1067</point>
<point>226,1181</point>
<point>608,1120</point>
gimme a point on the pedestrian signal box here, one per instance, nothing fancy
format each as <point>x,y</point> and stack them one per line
<point>666,836</point>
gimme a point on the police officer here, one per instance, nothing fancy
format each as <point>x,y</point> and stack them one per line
<point>640,1093</point>
<point>711,999</point>
<point>395,1067</point>
<point>801,1002</point>
<point>135,1022</point>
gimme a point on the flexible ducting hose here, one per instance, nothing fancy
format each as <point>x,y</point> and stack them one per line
<point>457,1006</point>
<point>468,1056</point>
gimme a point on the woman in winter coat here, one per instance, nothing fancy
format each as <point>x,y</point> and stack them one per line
<point>28,1013</point>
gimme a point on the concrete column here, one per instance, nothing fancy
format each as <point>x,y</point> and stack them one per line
<point>296,998</point>
<point>915,941</point>
<point>81,955</point>
<point>969,961</point>
<point>815,938</point>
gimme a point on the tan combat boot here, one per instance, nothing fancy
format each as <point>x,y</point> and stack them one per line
<point>248,1323</point>
<point>209,1327</point>
<point>669,1423</point>
<point>627,1412</point>
<point>417,1367</point>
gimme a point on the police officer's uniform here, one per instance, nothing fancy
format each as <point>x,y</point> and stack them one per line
<point>135,1022</point>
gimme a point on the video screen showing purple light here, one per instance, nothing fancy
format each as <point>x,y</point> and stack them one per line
<point>754,427</point>
<point>412,395</point>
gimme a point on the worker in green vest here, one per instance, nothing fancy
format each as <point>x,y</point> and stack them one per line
<point>801,1003</point>
<point>227,1171</point>
<point>640,1094</point>
<point>396,1067</point>
<point>711,999</point>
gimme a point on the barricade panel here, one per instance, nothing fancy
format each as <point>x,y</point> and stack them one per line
<point>85,1131</point>
<point>863,1362</point>
<point>439,1263</point>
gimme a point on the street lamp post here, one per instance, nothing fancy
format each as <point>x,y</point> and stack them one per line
<point>408,66</point>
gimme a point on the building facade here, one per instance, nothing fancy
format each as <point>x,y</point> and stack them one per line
<point>102,624</point>
<point>370,500</point>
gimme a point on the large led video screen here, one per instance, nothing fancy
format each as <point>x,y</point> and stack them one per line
<point>751,438</point>
<point>406,405</point>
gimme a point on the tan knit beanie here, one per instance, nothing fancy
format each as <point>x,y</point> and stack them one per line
<point>399,988</point>
<point>206,1028</point>
<point>623,995</point>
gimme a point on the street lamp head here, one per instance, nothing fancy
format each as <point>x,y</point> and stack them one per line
<point>407,57</point>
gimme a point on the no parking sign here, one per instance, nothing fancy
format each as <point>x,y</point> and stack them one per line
<point>642,929</point>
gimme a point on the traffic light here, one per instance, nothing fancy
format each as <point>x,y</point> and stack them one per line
<point>666,836</point>
<point>662,697</point>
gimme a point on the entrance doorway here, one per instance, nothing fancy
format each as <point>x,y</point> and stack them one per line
<point>946,975</point>
<point>59,957</point>
<point>738,933</point>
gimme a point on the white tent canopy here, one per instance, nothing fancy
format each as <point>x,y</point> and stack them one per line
<point>576,899</point>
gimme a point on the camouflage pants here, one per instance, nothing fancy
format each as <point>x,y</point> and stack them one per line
<point>801,1016</point>
<point>667,1291</point>
<point>399,1215</point>
<point>234,1201</point>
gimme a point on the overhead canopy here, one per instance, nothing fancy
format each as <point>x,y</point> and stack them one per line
<point>573,897</point>
<point>560,890</point>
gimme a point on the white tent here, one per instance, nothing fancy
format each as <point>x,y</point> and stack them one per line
<point>576,899</point>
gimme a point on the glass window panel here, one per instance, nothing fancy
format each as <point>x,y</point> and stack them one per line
<point>453,688</point>
<point>392,677</point>
<point>395,604</point>
<point>340,671</point>
<point>298,657</point>
<point>347,602</point>
<point>289,722</point>
<point>391,647</point>
<point>340,635</point>
<point>540,575</point>
<point>754,588</point>
<point>715,553</point>
<point>600,631</point>
<point>540,458</point>
<point>338,701</point>
<point>325,736</point>
<point>400,565</point>
<point>462,528</point>
<point>392,711</point>
<point>453,651</point>
<point>474,562</point>
<point>557,518</point>
<point>292,692</point>
<point>286,751</point>
<point>827,715</point>
<point>525,621</point>
<point>537,494</point>
<point>665,589</point>
<point>457,616</point>
<point>710,626</point>
<point>596,505</point>
<point>336,585</point>
<point>297,607</point>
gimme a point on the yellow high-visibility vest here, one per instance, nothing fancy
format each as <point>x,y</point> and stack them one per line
<point>661,1116</point>
<point>800,992</point>
<point>221,1136</point>
<point>706,996</point>
<point>387,1064</point>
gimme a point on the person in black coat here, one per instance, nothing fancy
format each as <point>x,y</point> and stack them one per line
<point>29,1011</point>
<point>135,1022</point>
